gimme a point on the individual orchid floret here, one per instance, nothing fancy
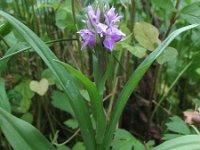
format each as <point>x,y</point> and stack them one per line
<point>111,18</point>
<point>88,38</point>
<point>94,17</point>
<point>112,36</point>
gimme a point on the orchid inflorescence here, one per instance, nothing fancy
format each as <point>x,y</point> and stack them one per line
<point>102,25</point>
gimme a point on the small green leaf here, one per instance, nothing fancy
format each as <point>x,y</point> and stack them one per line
<point>78,146</point>
<point>136,50</point>
<point>198,71</point>
<point>28,117</point>
<point>26,95</point>
<point>170,54</point>
<point>177,125</point>
<point>147,35</point>
<point>71,123</point>
<point>191,13</point>
<point>4,102</point>
<point>60,101</point>
<point>123,140</point>
<point>196,101</point>
<point>64,19</point>
<point>47,74</point>
<point>85,95</point>
<point>63,148</point>
<point>39,87</point>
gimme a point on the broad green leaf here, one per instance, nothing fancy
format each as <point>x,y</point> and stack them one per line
<point>63,148</point>
<point>133,82</point>
<point>164,4</point>
<point>78,105</point>
<point>26,95</point>
<point>136,50</point>
<point>196,101</point>
<point>123,140</point>
<point>78,146</point>
<point>147,35</point>
<point>177,125</point>
<point>191,13</point>
<point>60,101</point>
<point>21,135</point>
<point>4,101</point>
<point>47,74</point>
<point>188,142</point>
<point>63,19</point>
<point>170,54</point>
<point>71,123</point>
<point>40,87</point>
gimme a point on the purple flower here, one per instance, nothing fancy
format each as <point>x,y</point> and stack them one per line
<point>107,30</point>
<point>112,36</point>
<point>88,38</point>
<point>94,17</point>
<point>111,18</point>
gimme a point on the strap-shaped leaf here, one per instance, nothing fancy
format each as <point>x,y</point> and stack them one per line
<point>95,98</point>
<point>4,102</point>
<point>21,135</point>
<point>133,82</point>
<point>79,107</point>
<point>188,142</point>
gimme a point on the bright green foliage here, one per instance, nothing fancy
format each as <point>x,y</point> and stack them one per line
<point>181,143</point>
<point>170,54</point>
<point>178,127</point>
<point>22,104</point>
<point>137,50</point>
<point>124,140</point>
<point>147,35</point>
<point>60,101</point>
<point>21,135</point>
<point>40,87</point>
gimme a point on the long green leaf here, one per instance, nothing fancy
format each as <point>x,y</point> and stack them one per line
<point>79,107</point>
<point>21,135</point>
<point>133,82</point>
<point>95,98</point>
<point>4,102</point>
<point>188,142</point>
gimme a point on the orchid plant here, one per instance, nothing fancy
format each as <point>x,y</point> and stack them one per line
<point>97,125</point>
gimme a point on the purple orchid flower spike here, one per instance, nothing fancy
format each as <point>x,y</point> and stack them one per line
<point>88,38</point>
<point>107,30</point>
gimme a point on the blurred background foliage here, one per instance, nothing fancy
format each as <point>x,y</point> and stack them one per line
<point>169,88</point>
